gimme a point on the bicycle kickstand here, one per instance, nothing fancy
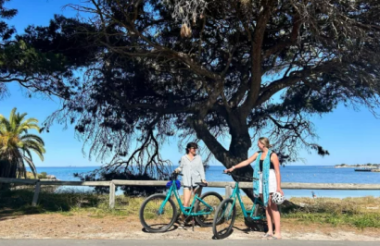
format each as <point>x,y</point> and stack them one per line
<point>184,222</point>
<point>193,223</point>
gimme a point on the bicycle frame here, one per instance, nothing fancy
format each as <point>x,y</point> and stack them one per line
<point>186,210</point>
<point>236,194</point>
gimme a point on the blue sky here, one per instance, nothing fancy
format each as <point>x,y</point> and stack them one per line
<point>350,136</point>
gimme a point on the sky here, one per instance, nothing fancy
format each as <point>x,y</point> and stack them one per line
<point>350,136</point>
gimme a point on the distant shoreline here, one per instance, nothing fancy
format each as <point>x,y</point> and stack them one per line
<point>366,166</point>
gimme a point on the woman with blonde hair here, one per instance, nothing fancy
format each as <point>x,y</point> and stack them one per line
<point>267,172</point>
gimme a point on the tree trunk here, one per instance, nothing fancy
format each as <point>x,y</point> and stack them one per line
<point>5,172</point>
<point>238,152</point>
<point>240,144</point>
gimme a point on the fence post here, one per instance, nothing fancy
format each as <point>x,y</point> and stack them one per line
<point>37,190</point>
<point>228,191</point>
<point>112,195</point>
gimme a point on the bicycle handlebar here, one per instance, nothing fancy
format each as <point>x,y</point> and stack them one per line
<point>175,175</point>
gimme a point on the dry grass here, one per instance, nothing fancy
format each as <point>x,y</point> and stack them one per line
<point>361,212</point>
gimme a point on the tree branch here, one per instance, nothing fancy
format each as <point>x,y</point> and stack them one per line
<point>292,40</point>
<point>294,77</point>
<point>256,55</point>
<point>211,142</point>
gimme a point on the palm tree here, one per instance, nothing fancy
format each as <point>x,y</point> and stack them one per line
<point>17,145</point>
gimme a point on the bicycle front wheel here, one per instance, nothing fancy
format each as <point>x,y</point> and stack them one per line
<point>156,215</point>
<point>224,219</point>
<point>212,199</point>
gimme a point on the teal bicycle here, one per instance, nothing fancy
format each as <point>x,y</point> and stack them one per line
<point>158,212</point>
<point>226,212</point>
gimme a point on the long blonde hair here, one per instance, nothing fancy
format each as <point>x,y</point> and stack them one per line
<point>265,142</point>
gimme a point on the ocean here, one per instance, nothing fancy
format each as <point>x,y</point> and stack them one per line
<point>291,173</point>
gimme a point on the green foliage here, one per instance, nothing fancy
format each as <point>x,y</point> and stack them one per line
<point>36,69</point>
<point>107,175</point>
<point>337,212</point>
<point>355,212</point>
<point>6,32</point>
<point>20,201</point>
<point>261,68</point>
<point>17,145</point>
<point>42,175</point>
<point>242,71</point>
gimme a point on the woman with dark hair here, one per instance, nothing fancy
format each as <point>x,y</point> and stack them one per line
<point>192,170</point>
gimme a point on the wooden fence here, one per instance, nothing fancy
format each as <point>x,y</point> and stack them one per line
<point>227,185</point>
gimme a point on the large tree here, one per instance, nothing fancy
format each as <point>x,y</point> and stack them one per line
<point>246,68</point>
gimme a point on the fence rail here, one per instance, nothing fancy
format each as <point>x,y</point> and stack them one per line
<point>227,185</point>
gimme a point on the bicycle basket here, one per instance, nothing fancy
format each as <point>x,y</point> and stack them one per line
<point>177,183</point>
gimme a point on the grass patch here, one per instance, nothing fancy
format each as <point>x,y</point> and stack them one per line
<point>66,202</point>
<point>361,212</point>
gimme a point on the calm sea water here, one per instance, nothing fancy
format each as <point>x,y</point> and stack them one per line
<point>299,174</point>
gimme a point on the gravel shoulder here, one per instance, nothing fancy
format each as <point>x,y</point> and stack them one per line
<point>85,226</point>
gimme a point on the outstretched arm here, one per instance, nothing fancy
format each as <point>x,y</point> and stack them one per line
<point>243,163</point>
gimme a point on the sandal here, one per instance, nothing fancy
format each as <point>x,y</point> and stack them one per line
<point>271,237</point>
<point>266,235</point>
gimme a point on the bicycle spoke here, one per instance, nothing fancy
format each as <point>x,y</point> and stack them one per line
<point>212,200</point>
<point>157,215</point>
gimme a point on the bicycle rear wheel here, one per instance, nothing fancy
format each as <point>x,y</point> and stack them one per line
<point>258,220</point>
<point>211,198</point>
<point>224,219</point>
<point>156,216</point>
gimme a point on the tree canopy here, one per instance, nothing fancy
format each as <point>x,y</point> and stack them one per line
<point>247,69</point>
<point>37,70</point>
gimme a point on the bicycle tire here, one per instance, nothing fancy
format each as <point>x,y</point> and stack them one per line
<point>220,219</point>
<point>207,220</point>
<point>165,227</point>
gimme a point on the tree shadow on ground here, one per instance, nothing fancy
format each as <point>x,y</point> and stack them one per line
<point>14,203</point>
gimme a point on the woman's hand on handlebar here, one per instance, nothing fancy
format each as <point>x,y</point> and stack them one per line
<point>228,170</point>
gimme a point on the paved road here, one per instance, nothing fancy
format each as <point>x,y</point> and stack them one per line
<point>227,242</point>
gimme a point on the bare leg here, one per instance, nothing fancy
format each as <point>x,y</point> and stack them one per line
<point>186,200</point>
<point>269,219</point>
<point>277,218</point>
<point>186,196</point>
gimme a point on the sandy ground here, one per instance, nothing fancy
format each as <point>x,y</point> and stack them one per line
<point>58,226</point>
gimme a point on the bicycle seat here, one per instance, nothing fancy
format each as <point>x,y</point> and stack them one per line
<point>201,184</point>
